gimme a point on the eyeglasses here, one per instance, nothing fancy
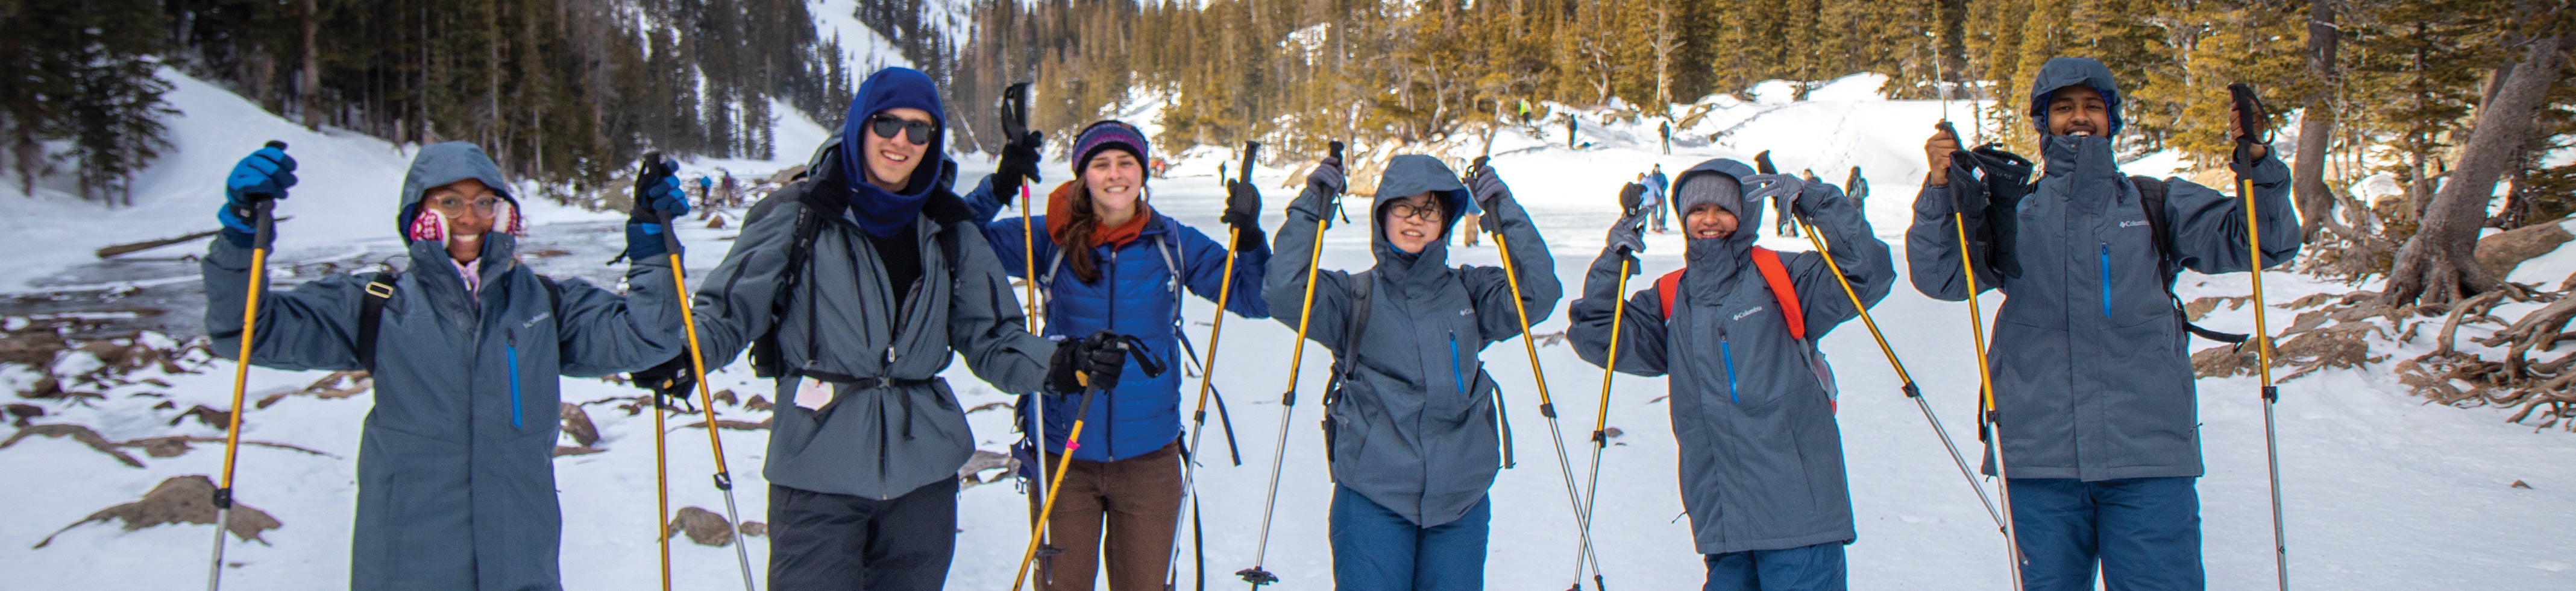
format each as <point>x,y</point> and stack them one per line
<point>885,126</point>
<point>454,205</point>
<point>1428,213</point>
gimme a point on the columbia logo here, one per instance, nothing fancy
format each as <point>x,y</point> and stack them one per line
<point>2133,223</point>
<point>1746,312</point>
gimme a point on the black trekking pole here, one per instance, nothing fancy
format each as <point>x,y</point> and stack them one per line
<point>1073,440</point>
<point>1288,400</point>
<point>2250,115</point>
<point>1911,392</point>
<point>655,165</point>
<point>1546,405</point>
<point>1207,385</point>
<point>1989,419</point>
<point>263,235</point>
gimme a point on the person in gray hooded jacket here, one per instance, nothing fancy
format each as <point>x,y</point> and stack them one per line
<point>2092,380</point>
<point>456,484</point>
<point>1752,408</point>
<point>1414,438</point>
<point>895,282</point>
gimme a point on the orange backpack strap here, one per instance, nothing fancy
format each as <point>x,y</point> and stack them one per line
<point>1665,287</point>
<point>1777,275</point>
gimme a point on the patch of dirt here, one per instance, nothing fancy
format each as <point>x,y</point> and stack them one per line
<point>972,473</point>
<point>340,384</point>
<point>703,527</point>
<point>732,424</point>
<point>181,499</point>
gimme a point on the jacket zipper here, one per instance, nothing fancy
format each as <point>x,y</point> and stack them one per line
<point>1455,374</point>
<point>510,351</point>
<point>2106,280</point>
<point>1109,423</point>
<point>1726,356</point>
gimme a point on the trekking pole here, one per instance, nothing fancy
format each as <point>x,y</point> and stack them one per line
<point>1546,406</point>
<point>2249,114</point>
<point>1601,424</point>
<point>264,231</point>
<point>1015,126</point>
<point>661,453</point>
<point>1986,386</point>
<point>1911,392</point>
<point>1073,440</point>
<point>1288,400</point>
<point>698,368</point>
<point>1207,383</point>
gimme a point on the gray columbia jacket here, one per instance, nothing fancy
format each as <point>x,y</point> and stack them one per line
<point>1416,429</point>
<point>893,425</point>
<point>1761,454</point>
<point>456,485</point>
<point>2092,379</point>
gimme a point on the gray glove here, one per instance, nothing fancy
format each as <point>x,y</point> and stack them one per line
<point>1784,187</point>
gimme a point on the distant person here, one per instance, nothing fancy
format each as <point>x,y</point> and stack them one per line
<point>456,473</point>
<point>2097,423</point>
<point>732,192</point>
<point>1525,112</point>
<point>706,191</point>
<point>1570,130</point>
<point>1858,189</point>
<point>1658,188</point>
<point>1666,129</point>
<point>1762,472</point>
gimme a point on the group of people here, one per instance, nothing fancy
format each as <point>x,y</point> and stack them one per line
<point>854,286</point>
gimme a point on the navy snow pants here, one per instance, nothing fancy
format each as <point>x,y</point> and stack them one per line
<point>829,541</point>
<point>2143,532</point>
<point>1804,568</point>
<point>1375,549</point>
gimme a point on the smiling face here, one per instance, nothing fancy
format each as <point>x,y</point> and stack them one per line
<point>1413,223</point>
<point>2078,110</point>
<point>470,209</point>
<point>1707,220</point>
<point>891,160</point>
<point>1113,177</point>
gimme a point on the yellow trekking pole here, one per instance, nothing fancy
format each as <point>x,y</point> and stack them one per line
<point>1546,405</point>
<point>1288,400</point>
<point>2249,116</point>
<point>1601,421</point>
<point>706,401</point>
<point>1989,420</point>
<point>264,232</point>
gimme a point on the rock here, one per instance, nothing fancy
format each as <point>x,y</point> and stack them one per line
<point>753,528</point>
<point>576,424</point>
<point>19,413</point>
<point>565,450</point>
<point>972,473</point>
<point>2503,251</point>
<point>181,499</point>
<point>703,526</point>
<point>757,403</point>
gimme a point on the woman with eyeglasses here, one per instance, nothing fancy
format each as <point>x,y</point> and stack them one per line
<point>1411,426</point>
<point>1108,260</point>
<point>456,484</point>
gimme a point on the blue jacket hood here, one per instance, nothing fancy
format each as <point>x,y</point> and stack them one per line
<point>442,163</point>
<point>2062,72</point>
<point>881,212</point>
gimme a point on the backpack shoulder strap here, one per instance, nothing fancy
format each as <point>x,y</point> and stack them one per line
<point>2151,197</point>
<point>1777,276</point>
<point>1346,361</point>
<point>371,312</point>
<point>1665,287</point>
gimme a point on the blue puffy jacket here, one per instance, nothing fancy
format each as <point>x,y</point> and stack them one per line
<point>1135,296</point>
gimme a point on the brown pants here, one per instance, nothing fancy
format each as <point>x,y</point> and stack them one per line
<point>1139,501</point>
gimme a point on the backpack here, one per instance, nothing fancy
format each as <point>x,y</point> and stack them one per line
<point>2006,177</point>
<point>1784,292</point>
<point>380,289</point>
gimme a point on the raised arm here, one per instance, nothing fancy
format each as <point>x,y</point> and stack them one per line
<point>1855,249</point>
<point>1641,324</point>
<point>2208,229</point>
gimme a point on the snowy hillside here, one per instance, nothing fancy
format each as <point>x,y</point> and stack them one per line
<point>2383,492</point>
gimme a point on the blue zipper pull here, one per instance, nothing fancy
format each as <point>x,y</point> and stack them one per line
<point>2106,280</point>
<point>1726,355</point>
<point>1454,374</point>
<point>510,351</point>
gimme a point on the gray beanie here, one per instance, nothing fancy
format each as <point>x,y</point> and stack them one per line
<point>1708,187</point>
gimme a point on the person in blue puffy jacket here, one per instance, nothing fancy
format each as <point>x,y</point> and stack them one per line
<point>1108,261</point>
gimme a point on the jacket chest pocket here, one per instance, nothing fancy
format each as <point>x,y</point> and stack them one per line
<point>2129,286</point>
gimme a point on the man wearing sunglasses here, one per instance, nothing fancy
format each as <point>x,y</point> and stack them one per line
<point>853,287</point>
<point>456,484</point>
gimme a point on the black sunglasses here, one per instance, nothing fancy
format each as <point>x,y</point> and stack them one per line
<point>885,126</point>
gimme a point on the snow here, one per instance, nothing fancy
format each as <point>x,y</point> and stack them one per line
<point>2383,492</point>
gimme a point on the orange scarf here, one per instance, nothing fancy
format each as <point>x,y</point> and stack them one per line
<point>1060,217</point>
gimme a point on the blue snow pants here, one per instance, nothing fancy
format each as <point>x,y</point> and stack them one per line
<point>1804,568</point>
<point>1375,549</point>
<point>2143,532</point>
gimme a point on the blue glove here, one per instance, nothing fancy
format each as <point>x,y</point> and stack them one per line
<point>657,195</point>
<point>261,176</point>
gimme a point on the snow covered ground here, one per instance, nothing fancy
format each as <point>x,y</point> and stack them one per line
<point>2382,491</point>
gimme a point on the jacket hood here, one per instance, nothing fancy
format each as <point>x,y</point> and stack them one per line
<point>442,163</point>
<point>2062,72</point>
<point>1406,176</point>
<point>1748,216</point>
<point>881,212</point>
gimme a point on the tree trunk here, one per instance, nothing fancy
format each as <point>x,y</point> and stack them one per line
<point>2439,265</point>
<point>310,87</point>
<point>2316,124</point>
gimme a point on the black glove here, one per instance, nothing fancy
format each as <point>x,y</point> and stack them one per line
<point>1631,198</point>
<point>673,379</point>
<point>1328,178</point>
<point>1093,362</point>
<point>1488,190</point>
<point>1019,166</point>
<point>1242,206</point>
<point>262,176</point>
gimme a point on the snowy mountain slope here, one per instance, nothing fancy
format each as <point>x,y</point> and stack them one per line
<point>2383,492</point>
